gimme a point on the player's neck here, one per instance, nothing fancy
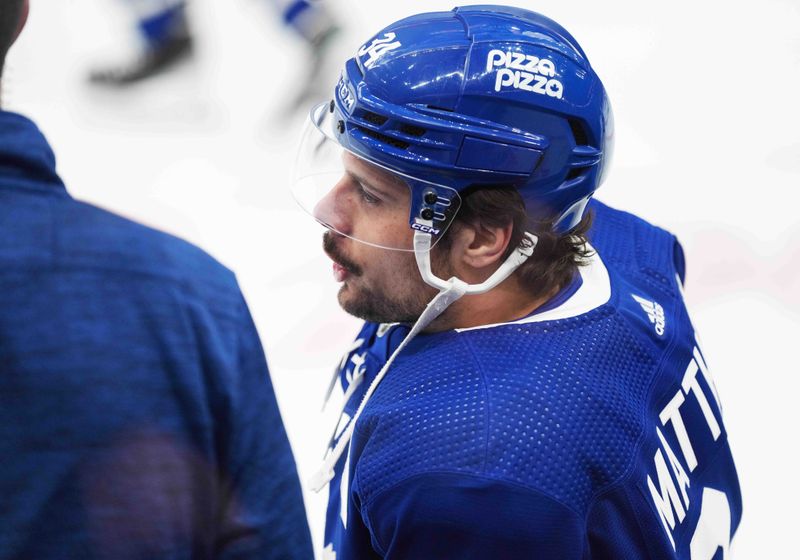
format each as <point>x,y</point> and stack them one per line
<point>507,302</point>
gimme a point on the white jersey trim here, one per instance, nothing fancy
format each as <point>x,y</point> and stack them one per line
<point>594,291</point>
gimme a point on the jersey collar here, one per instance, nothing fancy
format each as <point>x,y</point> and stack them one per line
<point>594,290</point>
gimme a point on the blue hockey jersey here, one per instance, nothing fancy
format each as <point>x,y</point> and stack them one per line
<point>590,429</point>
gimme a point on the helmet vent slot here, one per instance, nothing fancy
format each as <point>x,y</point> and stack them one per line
<point>574,173</point>
<point>579,132</point>
<point>373,118</point>
<point>382,138</point>
<point>412,130</point>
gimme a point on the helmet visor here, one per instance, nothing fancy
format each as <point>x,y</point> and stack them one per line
<point>355,196</point>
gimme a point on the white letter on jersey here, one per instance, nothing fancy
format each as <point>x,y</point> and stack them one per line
<point>344,489</point>
<point>713,529</point>
<point>690,383</point>
<point>677,469</point>
<point>672,413</point>
<point>666,497</point>
<point>704,368</point>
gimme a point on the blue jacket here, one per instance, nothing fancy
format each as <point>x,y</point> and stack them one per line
<point>137,417</point>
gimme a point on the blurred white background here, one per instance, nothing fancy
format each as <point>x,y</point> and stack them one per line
<point>706,103</point>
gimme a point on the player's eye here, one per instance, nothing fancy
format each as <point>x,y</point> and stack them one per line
<point>366,195</point>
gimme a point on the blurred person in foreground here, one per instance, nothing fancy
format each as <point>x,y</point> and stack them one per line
<point>137,416</point>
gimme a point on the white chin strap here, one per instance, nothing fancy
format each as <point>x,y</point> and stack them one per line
<point>449,291</point>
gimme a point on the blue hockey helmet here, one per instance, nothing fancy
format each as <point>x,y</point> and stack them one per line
<point>482,95</point>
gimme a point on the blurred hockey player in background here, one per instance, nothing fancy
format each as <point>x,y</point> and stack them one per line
<point>528,383</point>
<point>167,40</point>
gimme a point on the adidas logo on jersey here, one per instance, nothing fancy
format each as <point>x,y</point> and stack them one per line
<point>654,312</point>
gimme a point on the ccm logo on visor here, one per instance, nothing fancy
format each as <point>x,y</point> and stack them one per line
<point>425,229</point>
<point>525,72</point>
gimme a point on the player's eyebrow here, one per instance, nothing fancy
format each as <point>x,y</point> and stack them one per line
<point>386,193</point>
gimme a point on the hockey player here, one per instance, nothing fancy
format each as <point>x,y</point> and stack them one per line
<point>167,40</point>
<point>527,385</point>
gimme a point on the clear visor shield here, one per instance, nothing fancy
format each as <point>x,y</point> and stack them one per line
<point>356,197</point>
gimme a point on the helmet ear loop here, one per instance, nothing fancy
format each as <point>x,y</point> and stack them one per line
<point>422,253</point>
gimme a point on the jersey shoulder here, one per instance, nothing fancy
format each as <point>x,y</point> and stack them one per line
<point>647,270</point>
<point>634,247</point>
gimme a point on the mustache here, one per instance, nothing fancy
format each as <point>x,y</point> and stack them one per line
<point>332,250</point>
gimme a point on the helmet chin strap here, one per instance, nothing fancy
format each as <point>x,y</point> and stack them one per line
<point>422,252</point>
<point>450,291</point>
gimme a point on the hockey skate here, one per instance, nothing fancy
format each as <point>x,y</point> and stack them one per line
<point>155,58</point>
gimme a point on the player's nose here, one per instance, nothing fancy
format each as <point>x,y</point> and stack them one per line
<point>334,208</point>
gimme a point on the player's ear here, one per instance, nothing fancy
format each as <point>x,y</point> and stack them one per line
<point>481,247</point>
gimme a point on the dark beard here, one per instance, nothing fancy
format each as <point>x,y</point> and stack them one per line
<point>374,306</point>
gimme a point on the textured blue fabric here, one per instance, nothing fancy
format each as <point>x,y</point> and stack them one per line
<point>424,517</point>
<point>542,438</point>
<point>137,417</point>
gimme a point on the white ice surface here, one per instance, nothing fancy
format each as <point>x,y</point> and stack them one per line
<point>707,113</point>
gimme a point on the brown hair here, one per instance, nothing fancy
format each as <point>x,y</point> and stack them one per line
<point>555,260</point>
<point>10,12</point>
